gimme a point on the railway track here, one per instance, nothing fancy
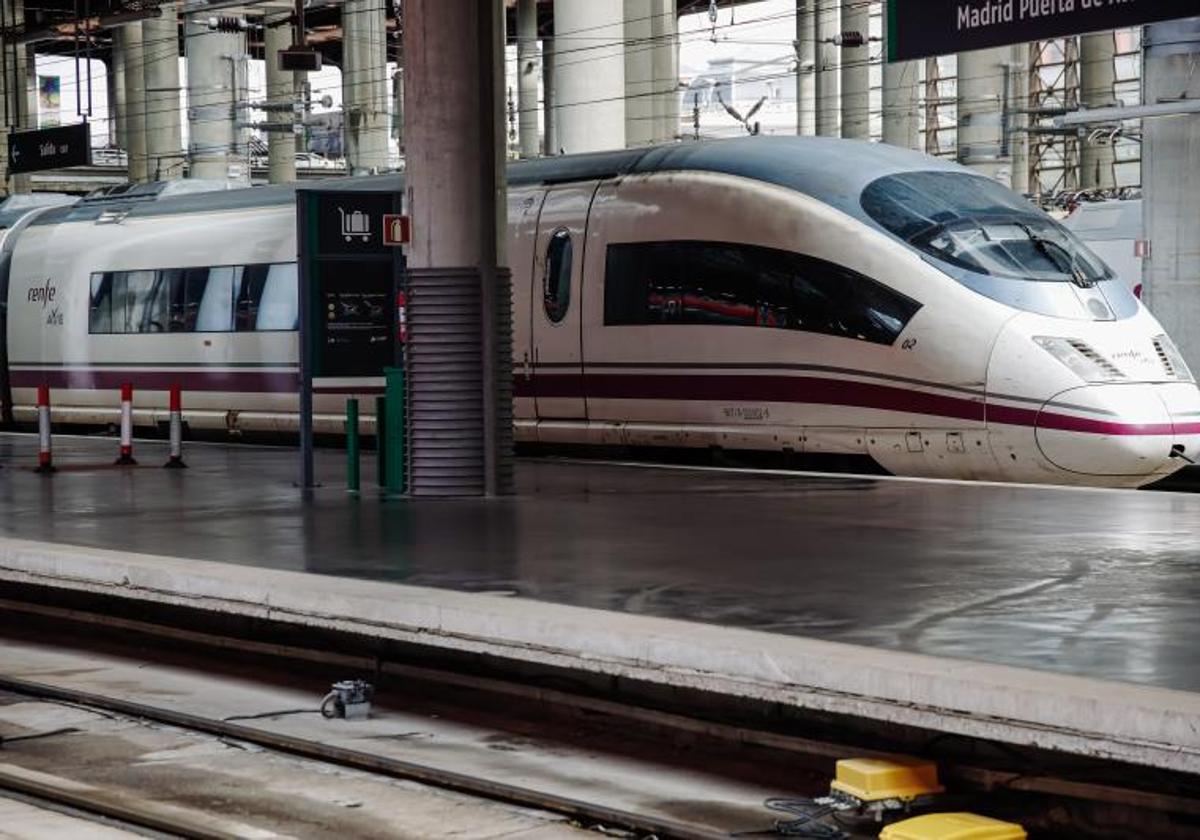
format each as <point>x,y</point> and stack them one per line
<point>532,711</point>
<point>579,811</point>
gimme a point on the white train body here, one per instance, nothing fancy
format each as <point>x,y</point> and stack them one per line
<point>759,293</point>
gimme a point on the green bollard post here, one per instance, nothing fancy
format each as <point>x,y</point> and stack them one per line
<point>381,441</point>
<point>352,445</point>
<point>396,473</point>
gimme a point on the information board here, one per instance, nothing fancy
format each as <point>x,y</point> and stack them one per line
<point>923,28</point>
<point>350,276</point>
<point>49,148</point>
<point>349,279</point>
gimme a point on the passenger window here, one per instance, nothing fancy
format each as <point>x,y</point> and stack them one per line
<point>221,299</point>
<point>216,306</point>
<point>100,309</point>
<point>148,300</point>
<point>278,307</point>
<point>732,284</point>
<point>249,297</point>
<point>556,283</point>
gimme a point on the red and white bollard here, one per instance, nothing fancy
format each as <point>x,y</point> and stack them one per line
<point>175,461</point>
<point>126,425</point>
<point>45,463</point>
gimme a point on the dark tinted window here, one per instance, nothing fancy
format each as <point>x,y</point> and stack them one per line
<point>976,224</point>
<point>556,285</point>
<point>218,299</point>
<point>732,284</point>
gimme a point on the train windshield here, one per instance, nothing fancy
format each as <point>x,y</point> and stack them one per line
<point>978,225</point>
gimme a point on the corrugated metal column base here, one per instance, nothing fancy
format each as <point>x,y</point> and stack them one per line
<point>503,384</point>
<point>446,382</point>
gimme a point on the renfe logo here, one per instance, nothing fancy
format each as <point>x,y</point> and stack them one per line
<point>43,294</point>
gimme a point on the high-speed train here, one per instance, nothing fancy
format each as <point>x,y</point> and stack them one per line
<point>790,294</point>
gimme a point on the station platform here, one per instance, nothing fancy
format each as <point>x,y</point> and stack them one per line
<point>1040,615</point>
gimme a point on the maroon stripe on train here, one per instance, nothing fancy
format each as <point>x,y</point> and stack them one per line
<point>743,388</point>
<point>821,391</point>
<point>729,388</point>
<point>95,379</point>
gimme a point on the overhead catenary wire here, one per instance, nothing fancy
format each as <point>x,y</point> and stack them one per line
<point>867,112</point>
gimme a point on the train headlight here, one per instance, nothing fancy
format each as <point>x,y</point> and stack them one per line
<point>1083,361</point>
<point>1171,359</point>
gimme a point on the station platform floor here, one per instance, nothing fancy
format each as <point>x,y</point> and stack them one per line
<point>1093,583</point>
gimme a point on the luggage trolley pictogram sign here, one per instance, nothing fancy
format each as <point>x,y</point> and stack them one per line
<point>356,223</point>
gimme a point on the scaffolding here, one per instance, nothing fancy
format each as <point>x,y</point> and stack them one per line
<point>940,110</point>
<point>1053,91</point>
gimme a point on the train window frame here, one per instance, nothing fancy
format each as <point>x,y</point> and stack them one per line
<point>557,275</point>
<point>961,219</point>
<point>183,310</point>
<point>783,281</point>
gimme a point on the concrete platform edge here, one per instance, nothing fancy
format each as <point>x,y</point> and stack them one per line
<point>1110,720</point>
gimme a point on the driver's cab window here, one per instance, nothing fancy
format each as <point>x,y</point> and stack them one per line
<point>556,284</point>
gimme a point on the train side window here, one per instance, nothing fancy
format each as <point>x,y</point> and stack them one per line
<point>556,284</point>
<point>119,297</point>
<point>731,284</point>
<point>719,285</point>
<point>278,308</point>
<point>148,300</point>
<point>268,298</point>
<point>215,313</point>
<point>218,299</point>
<point>249,297</point>
<point>100,307</point>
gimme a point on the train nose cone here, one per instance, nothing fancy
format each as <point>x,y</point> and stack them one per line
<point>1113,430</point>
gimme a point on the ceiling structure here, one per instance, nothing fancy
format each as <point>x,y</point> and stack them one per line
<point>70,27</point>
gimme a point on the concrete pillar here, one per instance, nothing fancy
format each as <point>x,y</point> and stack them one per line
<point>1097,89</point>
<point>665,31</point>
<point>901,99</point>
<point>364,86</point>
<point>116,99</point>
<point>216,87</point>
<point>164,137</point>
<point>26,84</point>
<point>806,67</point>
<point>901,102</point>
<point>398,108</point>
<point>549,99</point>
<point>128,40</point>
<point>1018,86</point>
<point>283,87</point>
<point>8,118</point>
<point>528,76</point>
<point>639,73</point>
<point>828,84</point>
<point>460,307</point>
<point>1171,184</point>
<point>589,75</point>
<point>856,72</point>
<point>984,113</point>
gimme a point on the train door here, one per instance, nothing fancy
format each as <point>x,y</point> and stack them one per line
<point>524,206</point>
<point>556,297</point>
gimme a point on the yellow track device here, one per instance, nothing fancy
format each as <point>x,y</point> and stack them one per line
<point>900,779</point>
<point>952,827</point>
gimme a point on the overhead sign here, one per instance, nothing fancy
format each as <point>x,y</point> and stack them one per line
<point>49,148</point>
<point>923,28</point>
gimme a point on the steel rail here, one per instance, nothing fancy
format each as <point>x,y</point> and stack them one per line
<point>43,793</point>
<point>577,809</point>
